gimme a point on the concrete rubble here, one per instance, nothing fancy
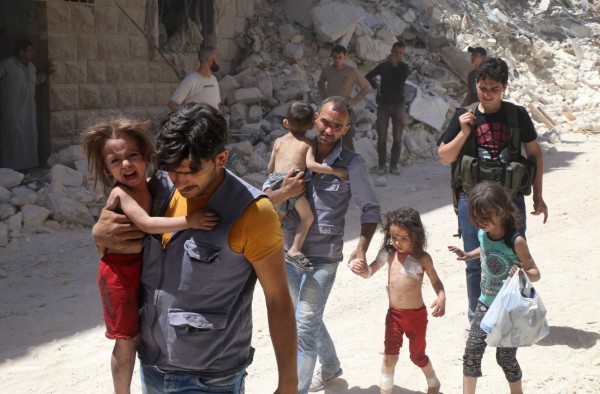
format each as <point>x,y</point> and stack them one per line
<point>551,47</point>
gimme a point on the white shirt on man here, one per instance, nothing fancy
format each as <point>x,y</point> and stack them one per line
<point>196,88</point>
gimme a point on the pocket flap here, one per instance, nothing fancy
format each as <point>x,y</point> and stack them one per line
<point>330,229</point>
<point>204,252</point>
<point>205,321</point>
<point>330,186</point>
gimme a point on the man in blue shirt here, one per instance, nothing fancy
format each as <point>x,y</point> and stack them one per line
<point>329,197</point>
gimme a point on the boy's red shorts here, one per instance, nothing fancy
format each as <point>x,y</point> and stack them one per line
<point>119,278</point>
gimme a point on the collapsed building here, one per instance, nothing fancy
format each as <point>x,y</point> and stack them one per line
<point>273,52</point>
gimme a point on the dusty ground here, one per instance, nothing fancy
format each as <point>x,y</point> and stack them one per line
<point>52,331</point>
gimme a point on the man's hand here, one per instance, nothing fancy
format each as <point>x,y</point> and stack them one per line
<point>539,207</point>
<point>116,231</point>
<point>467,120</point>
<point>291,186</point>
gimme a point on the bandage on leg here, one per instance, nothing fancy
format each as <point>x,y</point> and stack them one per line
<point>386,383</point>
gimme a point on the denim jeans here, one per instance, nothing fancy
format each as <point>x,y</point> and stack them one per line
<point>156,382</point>
<point>471,241</point>
<point>309,292</point>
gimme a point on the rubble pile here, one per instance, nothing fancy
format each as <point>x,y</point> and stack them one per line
<point>551,47</point>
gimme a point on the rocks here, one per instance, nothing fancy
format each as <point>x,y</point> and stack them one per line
<point>281,60</point>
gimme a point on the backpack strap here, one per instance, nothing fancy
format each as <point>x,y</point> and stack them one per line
<point>514,139</point>
<point>470,146</point>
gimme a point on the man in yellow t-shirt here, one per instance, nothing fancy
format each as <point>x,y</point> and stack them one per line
<point>197,285</point>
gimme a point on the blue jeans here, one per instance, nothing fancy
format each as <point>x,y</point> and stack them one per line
<point>309,292</point>
<point>471,241</point>
<point>155,382</point>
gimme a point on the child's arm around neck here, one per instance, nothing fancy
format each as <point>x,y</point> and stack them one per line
<point>159,225</point>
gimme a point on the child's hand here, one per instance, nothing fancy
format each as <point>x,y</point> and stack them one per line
<point>359,267</point>
<point>514,268</point>
<point>439,307</point>
<point>459,252</point>
<point>203,219</point>
<point>340,173</point>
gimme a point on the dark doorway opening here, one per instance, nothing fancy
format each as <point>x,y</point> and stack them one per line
<point>184,26</point>
<point>26,19</point>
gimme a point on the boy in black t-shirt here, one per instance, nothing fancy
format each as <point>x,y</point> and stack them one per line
<point>490,124</point>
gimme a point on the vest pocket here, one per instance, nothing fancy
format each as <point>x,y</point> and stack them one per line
<point>195,339</point>
<point>199,268</point>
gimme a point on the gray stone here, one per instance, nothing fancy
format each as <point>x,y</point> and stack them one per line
<point>292,91</point>
<point>372,50</point>
<point>7,210</point>
<point>332,20</point>
<point>228,84</point>
<point>239,112</point>
<point>66,176</point>
<point>381,181</point>
<point>265,84</point>
<point>23,195</point>
<point>67,210</point>
<point>251,61</point>
<point>257,163</point>
<point>67,155</point>
<point>34,216</point>
<point>366,149</point>
<point>243,148</point>
<point>4,195</point>
<point>3,237</point>
<point>393,21</point>
<point>15,222</point>
<point>10,178</point>
<point>255,114</point>
<point>430,109</point>
<point>293,51</point>
<point>244,96</point>
<point>286,32</point>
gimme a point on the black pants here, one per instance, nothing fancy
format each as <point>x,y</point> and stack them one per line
<point>506,357</point>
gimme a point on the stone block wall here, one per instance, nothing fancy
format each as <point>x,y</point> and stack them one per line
<point>104,65</point>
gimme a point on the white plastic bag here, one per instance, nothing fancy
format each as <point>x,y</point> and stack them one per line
<point>517,317</point>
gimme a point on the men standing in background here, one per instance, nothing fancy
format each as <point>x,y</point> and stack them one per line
<point>340,79</point>
<point>18,127</point>
<point>478,55</point>
<point>200,86</point>
<point>390,104</point>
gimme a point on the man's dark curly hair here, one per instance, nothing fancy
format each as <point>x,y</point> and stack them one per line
<point>493,68</point>
<point>193,131</point>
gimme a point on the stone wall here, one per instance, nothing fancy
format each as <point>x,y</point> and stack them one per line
<point>104,64</point>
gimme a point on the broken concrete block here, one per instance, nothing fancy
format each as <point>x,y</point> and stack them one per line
<point>34,216</point>
<point>430,109</point>
<point>329,28</point>
<point>10,178</point>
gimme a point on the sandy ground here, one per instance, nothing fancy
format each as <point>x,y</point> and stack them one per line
<point>52,331</point>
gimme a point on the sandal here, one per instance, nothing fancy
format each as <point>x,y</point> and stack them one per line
<point>321,379</point>
<point>299,261</point>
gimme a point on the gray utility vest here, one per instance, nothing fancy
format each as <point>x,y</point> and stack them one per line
<point>196,295</point>
<point>329,197</point>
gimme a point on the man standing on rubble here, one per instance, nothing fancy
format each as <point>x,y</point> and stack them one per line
<point>200,86</point>
<point>390,104</point>
<point>340,79</point>
<point>478,55</point>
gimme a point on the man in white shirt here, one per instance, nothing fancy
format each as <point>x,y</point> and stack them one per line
<point>200,86</point>
<point>18,127</point>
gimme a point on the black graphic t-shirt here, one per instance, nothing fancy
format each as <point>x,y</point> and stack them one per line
<point>492,131</point>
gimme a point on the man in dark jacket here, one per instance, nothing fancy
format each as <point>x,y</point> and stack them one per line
<point>390,104</point>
